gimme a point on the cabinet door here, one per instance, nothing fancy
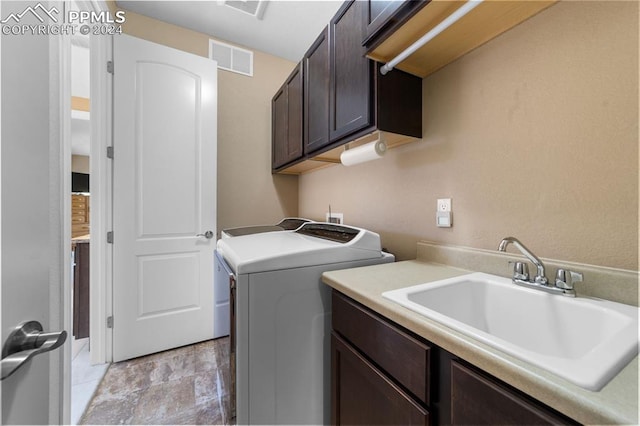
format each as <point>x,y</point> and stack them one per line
<point>362,395</point>
<point>384,16</point>
<point>316,100</point>
<point>475,399</point>
<point>81,290</point>
<point>351,91</point>
<point>287,120</point>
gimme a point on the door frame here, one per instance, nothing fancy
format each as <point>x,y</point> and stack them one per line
<point>100,169</point>
<point>100,218</point>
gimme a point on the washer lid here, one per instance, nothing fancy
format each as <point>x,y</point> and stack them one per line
<point>313,244</point>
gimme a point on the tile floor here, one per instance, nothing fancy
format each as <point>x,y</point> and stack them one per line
<point>85,378</point>
<point>188,385</point>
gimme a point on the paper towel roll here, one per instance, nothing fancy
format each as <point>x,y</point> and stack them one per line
<point>371,151</point>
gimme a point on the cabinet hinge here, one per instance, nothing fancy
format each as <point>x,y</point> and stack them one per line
<point>110,322</point>
<point>110,67</point>
<point>110,237</point>
<point>110,152</point>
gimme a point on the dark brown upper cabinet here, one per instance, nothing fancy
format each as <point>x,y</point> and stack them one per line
<point>316,88</point>
<point>385,16</point>
<point>286,116</point>
<point>350,100</point>
<point>346,99</point>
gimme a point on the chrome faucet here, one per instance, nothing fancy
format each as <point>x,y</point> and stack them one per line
<point>540,277</point>
<point>564,278</point>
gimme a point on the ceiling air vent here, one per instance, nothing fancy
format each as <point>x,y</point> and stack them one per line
<point>251,7</point>
<point>231,58</point>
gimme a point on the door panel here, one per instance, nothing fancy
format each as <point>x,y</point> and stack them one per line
<point>168,203</point>
<point>32,213</point>
<point>164,195</point>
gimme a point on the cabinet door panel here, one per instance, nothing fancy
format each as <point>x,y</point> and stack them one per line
<point>384,16</point>
<point>350,107</point>
<point>286,116</point>
<point>362,395</point>
<point>401,356</point>
<point>294,113</point>
<point>279,127</point>
<point>478,400</point>
<point>316,101</point>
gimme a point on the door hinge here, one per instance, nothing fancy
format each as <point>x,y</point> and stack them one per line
<point>110,322</point>
<point>110,67</point>
<point>110,237</point>
<point>110,152</point>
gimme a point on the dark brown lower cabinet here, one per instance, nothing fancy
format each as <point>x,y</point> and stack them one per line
<point>363,395</point>
<point>478,400</point>
<point>81,290</point>
<point>368,388</point>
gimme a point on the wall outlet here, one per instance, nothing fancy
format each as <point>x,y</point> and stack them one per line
<point>444,204</point>
<point>337,218</point>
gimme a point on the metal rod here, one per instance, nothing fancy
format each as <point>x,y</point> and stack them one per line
<point>446,23</point>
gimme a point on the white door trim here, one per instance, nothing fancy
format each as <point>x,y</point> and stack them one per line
<point>100,169</point>
<point>60,219</point>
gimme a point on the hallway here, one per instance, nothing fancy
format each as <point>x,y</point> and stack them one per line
<point>188,385</point>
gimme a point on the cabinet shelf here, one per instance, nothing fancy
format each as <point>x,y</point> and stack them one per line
<point>332,156</point>
<point>487,21</point>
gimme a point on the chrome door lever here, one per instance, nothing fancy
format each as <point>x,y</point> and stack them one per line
<point>208,235</point>
<point>26,341</point>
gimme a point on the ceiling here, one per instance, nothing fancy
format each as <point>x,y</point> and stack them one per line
<point>287,27</point>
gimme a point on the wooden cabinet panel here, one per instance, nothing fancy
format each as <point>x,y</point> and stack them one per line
<point>294,114</point>
<point>362,395</point>
<point>476,399</point>
<point>385,16</point>
<point>401,356</point>
<point>81,290</point>
<point>287,120</point>
<point>79,215</point>
<point>350,94</point>
<point>316,89</point>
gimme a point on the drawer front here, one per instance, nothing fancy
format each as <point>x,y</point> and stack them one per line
<point>362,395</point>
<point>401,356</point>
<point>476,399</point>
<point>78,218</point>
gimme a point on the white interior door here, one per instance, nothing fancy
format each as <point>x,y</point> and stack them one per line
<point>165,117</point>
<point>33,214</point>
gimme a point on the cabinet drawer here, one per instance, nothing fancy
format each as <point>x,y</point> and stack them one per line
<point>476,399</point>
<point>78,218</point>
<point>401,356</point>
<point>362,395</point>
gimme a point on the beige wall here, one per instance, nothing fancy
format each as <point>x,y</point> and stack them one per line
<point>80,163</point>
<point>247,192</point>
<point>534,135</point>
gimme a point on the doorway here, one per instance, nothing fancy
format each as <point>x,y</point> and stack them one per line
<point>85,377</point>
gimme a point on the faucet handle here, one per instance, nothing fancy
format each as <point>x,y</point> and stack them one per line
<point>565,279</point>
<point>520,270</point>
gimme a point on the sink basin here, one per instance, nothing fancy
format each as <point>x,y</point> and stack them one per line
<point>585,341</point>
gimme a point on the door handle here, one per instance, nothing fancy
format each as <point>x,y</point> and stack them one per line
<point>208,235</point>
<point>26,341</point>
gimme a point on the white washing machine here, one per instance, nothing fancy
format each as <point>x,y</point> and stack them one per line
<point>281,318</point>
<point>222,272</point>
<point>286,224</point>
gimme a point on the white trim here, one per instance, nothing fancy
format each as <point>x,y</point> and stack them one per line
<point>233,49</point>
<point>100,168</point>
<point>60,220</point>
